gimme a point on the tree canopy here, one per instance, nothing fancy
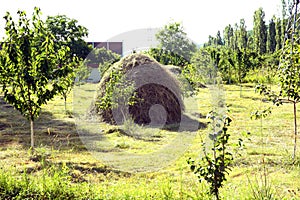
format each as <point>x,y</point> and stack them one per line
<point>69,33</point>
<point>31,68</point>
<point>173,38</point>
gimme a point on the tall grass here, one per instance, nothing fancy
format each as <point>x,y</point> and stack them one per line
<point>50,183</point>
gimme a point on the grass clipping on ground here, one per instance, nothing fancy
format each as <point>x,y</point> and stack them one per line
<point>139,88</point>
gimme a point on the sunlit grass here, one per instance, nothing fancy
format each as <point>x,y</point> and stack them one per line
<point>269,142</point>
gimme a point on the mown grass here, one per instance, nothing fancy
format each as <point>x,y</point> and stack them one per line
<point>65,166</point>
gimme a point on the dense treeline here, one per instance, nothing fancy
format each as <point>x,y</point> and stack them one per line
<point>240,51</point>
<point>264,38</point>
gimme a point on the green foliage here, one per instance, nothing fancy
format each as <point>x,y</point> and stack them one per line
<point>260,31</point>
<point>270,63</point>
<point>106,100</point>
<point>278,36</point>
<point>172,38</point>
<point>232,65</point>
<point>167,57</point>
<point>209,61</point>
<point>102,57</point>
<point>215,164</point>
<point>259,114</point>
<point>31,68</point>
<point>245,51</point>
<point>204,64</point>
<point>219,40</point>
<point>123,95</point>
<point>228,34</point>
<point>191,80</point>
<point>67,32</point>
<point>54,182</point>
<point>67,82</point>
<point>215,41</point>
<point>223,60</point>
<point>244,61</point>
<point>290,70</point>
<point>242,38</point>
<point>271,42</point>
<point>289,79</point>
<point>119,93</point>
<point>82,71</point>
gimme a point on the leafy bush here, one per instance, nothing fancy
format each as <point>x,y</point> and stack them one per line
<point>215,164</point>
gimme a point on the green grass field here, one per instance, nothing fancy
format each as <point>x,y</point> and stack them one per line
<point>80,159</point>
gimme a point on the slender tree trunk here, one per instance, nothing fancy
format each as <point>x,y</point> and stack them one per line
<point>217,196</point>
<point>241,88</point>
<point>32,134</point>
<point>295,130</point>
<point>229,75</point>
<point>216,190</point>
<point>65,98</point>
<point>31,118</point>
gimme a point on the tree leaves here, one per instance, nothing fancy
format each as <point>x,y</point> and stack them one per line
<point>215,164</point>
<point>172,38</point>
<point>30,73</point>
<point>68,33</point>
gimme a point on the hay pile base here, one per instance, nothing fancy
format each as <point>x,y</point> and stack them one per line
<point>158,97</point>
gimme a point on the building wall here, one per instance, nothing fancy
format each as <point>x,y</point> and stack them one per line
<point>116,47</point>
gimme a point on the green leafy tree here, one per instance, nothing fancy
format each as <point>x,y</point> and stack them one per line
<point>234,39</point>
<point>69,33</point>
<point>289,70</point>
<point>211,41</point>
<point>250,41</point>
<point>215,164</point>
<point>259,31</point>
<point>285,5</point>
<point>219,40</point>
<point>226,65</point>
<point>173,38</point>
<point>30,66</point>
<point>103,58</point>
<point>240,62</point>
<point>82,72</point>
<point>269,63</point>
<point>278,36</point>
<point>67,82</point>
<point>210,61</point>
<point>290,83</point>
<point>244,61</point>
<point>166,57</point>
<point>202,65</point>
<point>242,35</point>
<point>228,34</point>
<point>271,42</point>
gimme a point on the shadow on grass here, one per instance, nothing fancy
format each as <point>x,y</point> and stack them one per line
<point>187,124</point>
<point>82,168</point>
<point>264,100</point>
<point>61,133</point>
<point>49,131</point>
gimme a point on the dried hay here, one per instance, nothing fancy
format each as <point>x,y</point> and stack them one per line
<point>156,92</point>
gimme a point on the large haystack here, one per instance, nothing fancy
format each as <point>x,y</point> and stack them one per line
<point>156,92</point>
